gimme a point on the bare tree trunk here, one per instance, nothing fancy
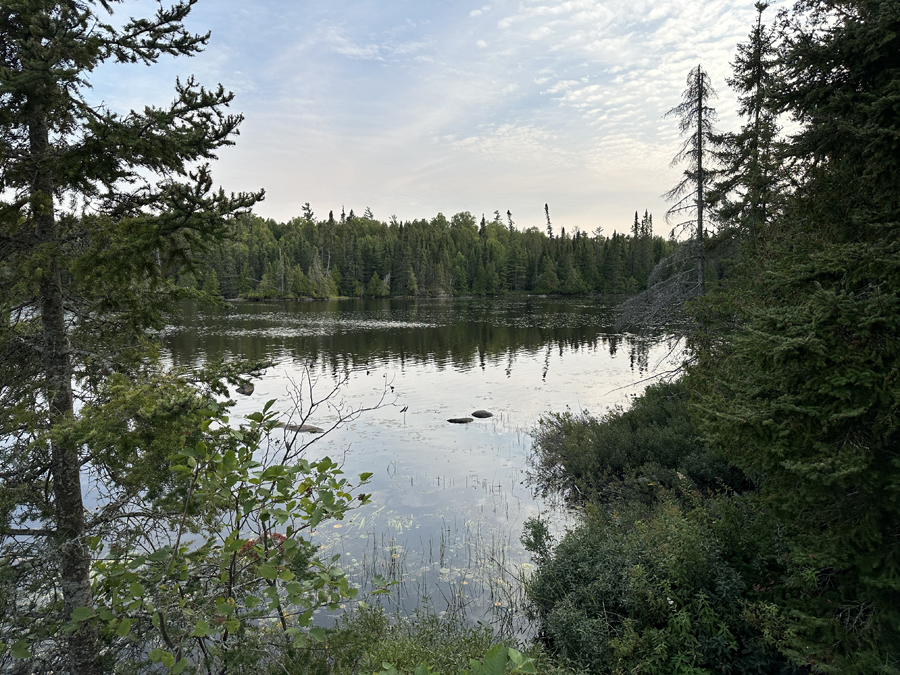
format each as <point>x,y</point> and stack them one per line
<point>74,556</point>
<point>701,272</point>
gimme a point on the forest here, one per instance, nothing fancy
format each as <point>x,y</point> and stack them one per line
<point>358,256</point>
<point>741,516</point>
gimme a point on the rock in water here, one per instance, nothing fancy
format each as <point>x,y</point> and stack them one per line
<point>245,389</point>
<point>482,414</point>
<point>460,420</point>
<point>302,428</point>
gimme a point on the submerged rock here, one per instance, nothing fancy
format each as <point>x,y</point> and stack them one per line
<point>482,414</point>
<point>301,428</point>
<point>245,389</point>
<point>460,420</point>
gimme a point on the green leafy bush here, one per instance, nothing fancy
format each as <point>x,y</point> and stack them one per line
<point>657,589</point>
<point>628,454</point>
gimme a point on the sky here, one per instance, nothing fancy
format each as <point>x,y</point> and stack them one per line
<point>415,107</point>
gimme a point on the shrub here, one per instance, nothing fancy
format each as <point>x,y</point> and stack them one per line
<point>628,454</point>
<point>653,590</point>
<point>362,641</point>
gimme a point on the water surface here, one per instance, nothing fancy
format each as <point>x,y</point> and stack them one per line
<point>449,500</point>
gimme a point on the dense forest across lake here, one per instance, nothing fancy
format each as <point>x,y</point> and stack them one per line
<point>358,256</point>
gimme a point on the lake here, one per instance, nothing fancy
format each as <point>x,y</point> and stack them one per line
<point>448,500</point>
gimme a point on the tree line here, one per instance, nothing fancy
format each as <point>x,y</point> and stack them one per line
<point>359,256</point>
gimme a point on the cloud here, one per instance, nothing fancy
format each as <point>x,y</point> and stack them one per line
<point>334,38</point>
<point>518,145</point>
<point>420,106</point>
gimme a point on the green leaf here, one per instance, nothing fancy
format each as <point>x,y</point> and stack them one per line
<point>136,589</point>
<point>251,601</point>
<point>365,476</point>
<point>286,575</point>
<point>157,655</point>
<point>495,660</point>
<point>179,667</point>
<point>81,614</point>
<point>20,650</point>
<point>233,625</point>
<point>161,554</point>
<point>268,572</point>
<point>522,663</point>
<point>124,628</point>
<point>201,629</point>
<point>317,634</point>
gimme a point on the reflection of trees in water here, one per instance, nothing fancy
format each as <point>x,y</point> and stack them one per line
<point>469,339</point>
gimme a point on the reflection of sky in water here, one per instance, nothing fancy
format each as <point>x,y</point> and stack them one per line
<point>448,500</point>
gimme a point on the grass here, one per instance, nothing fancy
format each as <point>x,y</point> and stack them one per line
<point>363,640</point>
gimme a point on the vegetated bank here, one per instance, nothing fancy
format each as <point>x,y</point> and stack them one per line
<point>745,518</point>
<point>765,539</point>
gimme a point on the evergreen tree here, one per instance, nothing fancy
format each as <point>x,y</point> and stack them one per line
<point>750,180</point>
<point>211,284</point>
<point>804,396</point>
<point>695,118</point>
<point>87,280</point>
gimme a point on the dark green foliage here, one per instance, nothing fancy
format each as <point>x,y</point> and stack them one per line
<point>805,398</point>
<point>366,257</point>
<point>631,454</point>
<point>656,590</point>
<point>804,393</point>
<point>840,69</point>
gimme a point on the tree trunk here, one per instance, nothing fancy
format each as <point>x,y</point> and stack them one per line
<point>74,556</point>
<point>701,272</point>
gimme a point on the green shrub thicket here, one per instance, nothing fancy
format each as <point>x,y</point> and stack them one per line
<point>629,454</point>
<point>671,569</point>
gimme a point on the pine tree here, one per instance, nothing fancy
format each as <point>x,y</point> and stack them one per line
<point>85,282</point>
<point>695,118</point>
<point>750,179</point>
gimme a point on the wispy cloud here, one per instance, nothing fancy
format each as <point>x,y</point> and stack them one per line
<point>414,108</point>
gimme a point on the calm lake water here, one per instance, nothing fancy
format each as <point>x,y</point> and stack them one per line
<point>448,500</point>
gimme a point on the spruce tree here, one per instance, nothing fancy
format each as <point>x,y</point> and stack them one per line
<point>750,180</point>
<point>98,207</point>
<point>803,396</point>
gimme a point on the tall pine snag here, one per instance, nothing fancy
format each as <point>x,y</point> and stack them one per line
<point>97,207</point>
<point>695,118</point>
<point>680,276</point>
